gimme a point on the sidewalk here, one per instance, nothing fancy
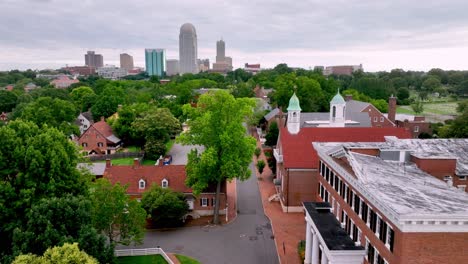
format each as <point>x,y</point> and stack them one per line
<point>289,228</point>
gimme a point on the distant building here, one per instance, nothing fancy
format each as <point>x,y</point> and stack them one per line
<point>84,121</point>
<point>126,61</point>
<point>223,64</point>
<point>220,51</point>
<point>111,72</point>
<point>30,86</point>
<point>99,139</point>
<point>414,124</point>
<point>252,68</point>
<point>63,81</point>
<point>342,70</point>
<point>319,68</point>
<point>172,67</point>
<point>203,65</point>
<point>81,70</point>
<point>94,60</point>
<point>155,61</point>
<point>188,49</point>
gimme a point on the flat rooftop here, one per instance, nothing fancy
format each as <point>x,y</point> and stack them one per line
<point>330,229</point>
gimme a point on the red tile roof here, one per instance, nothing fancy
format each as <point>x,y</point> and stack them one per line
<point>127,174</point>
<point>103,128</point>
<point>298,151</point>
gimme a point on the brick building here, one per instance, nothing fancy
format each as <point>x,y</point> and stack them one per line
<point>99,139</point>
<point>139,179</point>
<point>297,160</point>
<point>414,124</point>
<point>395,199</point>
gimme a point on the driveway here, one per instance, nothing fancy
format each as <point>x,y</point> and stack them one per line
<point>248,239</point>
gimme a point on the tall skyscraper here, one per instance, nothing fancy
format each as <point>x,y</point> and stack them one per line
<point>126,61</point>
<point>155,61</point>
<point>188,49</point>
<point>220,51</point>
<point>93,60</point>
<point>172,67</point>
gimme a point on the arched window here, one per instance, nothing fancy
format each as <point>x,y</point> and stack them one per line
<point>344,110</point>
<point>164,183</point>
<point>334,111</point>
<point>141,184</point>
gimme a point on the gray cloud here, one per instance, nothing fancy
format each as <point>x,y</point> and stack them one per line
<point>252,28</point>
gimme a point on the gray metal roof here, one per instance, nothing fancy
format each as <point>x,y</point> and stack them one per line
<point>97,169</point>
<point>353,106</point>
<point>112,138</point>
<point>272,114</point>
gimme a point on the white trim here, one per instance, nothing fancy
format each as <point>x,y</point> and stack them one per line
<point>164,183</point>
<point>141,184</point>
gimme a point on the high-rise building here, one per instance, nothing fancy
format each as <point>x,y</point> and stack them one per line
<point>188,49</point>
<point>93,60</point>
<point>172,67</point>
<point>220,51</point>
<point>126,61</point>
<point>155,61</point>
<point>203,65</point>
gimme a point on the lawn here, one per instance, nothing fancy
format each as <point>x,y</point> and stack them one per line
<point>150,259</point>
<point>128,161</point>
<point>186,260</point>
<point>445,108</point>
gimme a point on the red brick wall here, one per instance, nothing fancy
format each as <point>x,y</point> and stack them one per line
<point>197,206</point>
<point>436,167</point>
<point>301,187</point>
<point>92,137</point>
<point>375,113</point>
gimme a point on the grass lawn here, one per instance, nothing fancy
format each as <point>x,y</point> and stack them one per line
<point>186,260</point>
<point>169,145</point>
<point>148,162</point>
<point>150,259</point>
<point>133,149</point>
<point>444,108</point>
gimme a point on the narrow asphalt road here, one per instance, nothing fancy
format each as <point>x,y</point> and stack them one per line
<point>246,240</point>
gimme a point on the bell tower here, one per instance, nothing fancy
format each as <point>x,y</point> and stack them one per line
<point>337,111</point>
<point>294,115</point>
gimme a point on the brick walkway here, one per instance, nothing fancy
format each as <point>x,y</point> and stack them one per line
<point>289,228</point>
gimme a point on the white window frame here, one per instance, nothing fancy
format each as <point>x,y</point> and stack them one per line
<point>204,202</point>
<point>416,129</point>
<point>462,177</point>
<point>369,209</point>
<point>461,187</point>
<point>337,211</point>
<point>376,255</point>
<point>359,234</point>
<point>141,184</point>
<point>164,183</point>
<point>367,249</point>
<point>353,194</point>
<point>387,242</point>
<point>360,207</point>
<point>381,119</point>
<point>375,119</point>
<point>377,226</point>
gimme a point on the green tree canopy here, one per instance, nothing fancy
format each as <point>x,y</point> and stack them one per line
<point>216,124</point>
<point>83,97</point>
<point>431,83</point>
<point>272,135</point>
<point>157,123</point>
<point>165,206</point>
<point>115,214</point>
<point>66,254</point>
<point>7,101</point>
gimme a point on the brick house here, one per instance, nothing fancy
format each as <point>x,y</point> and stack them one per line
<point>414,124</point>
<point>376,117</point>
<point>390,200</point>
<point>99,139</point>
<point>139,178</point>
<point>297,160</point>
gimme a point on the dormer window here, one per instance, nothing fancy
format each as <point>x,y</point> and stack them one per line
<point>164,183</point>
<point>141,184</point>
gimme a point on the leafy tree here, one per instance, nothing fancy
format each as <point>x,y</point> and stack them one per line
<point>115,214</point>
<point>83,97</point>
<point>260,166</point>
<point>7,101</point>
<point>462,106</point>
<point>108,102</point>
<point>418,107</point>
<point>282,68</point>
<point>66,254</point>
<point>216,124</point>
<point>123,125</point>
<point>431,83</point>
<point>458,128</point>
<point>272,135</point>
<point>165,206</point>
<point>61,94</point>
<point>403,94</point>
<point>157,123</point>
<point>462,88</point>
<point>154,148</point>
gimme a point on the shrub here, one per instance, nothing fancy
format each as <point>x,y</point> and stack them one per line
<point>257,152</point>
<point>154,149</point>
<point>260,166</point>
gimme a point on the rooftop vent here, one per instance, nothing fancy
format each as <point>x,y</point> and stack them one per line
<point>395,155</point>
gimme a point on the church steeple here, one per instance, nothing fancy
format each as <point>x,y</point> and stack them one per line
<point>337,110</point>
<point>294,115</point>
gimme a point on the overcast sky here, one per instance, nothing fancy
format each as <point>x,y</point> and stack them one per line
<point>380,34</point>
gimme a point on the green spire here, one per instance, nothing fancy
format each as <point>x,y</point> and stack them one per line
<point>294,103</point>
<point>338,99</point>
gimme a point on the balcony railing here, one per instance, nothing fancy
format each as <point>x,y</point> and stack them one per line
<point>278,156</point>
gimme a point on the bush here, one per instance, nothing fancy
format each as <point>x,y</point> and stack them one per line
<point>272,164</point>
<point>260,166</point>
<point>301,250</point>
<point>257,152</point>
<point>154,149</point>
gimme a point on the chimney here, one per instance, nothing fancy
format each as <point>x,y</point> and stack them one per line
<point>161,161</point>
<point>136,163</point>
<point>392,104</point>
<point>102,118</point>
<point>108,163</point>
<point>348,97</point>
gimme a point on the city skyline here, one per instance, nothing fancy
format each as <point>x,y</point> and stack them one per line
<point>400,34</point>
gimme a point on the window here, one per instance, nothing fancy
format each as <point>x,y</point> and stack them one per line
<point>204,202</point>
<point>84,144</point>
<point>85,126</point>
<point>381,119</point>
<point>373,221</point>
<point>141,184</point>
<point>462,178</point>
<point>390,237</point>
<point>338,211</point>
<point>337,183</point>
<point>375,119</point>
<point>416,128</point>
<point>100,144</point>
<point>370,253</point>
<point>383,231</point>
<point>164,183</point>
<point>359,234</point>
<point>213,201</point>
<point>364,210</point>
<point>446,178</point>
<point>332,178</point>
<point>379,224</point>
<point>357,203</point>
<point>334,112</point>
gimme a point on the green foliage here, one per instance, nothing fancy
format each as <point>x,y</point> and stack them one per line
<point>417,107</point>
<point>165,206</point>
<point>431,83</point>
<point>260,166</point>
<point>272,135</point>
<point>272,164</point>
<point>115,214</point>
<point>158,124</point>
<point>462,106</point>
<point>122,126</point>
<point>7,101</point>
<point>186,260</point>
<point>402,94</point>
<point>257,152</point>
<point>154,148</point>
<point>458,128</point>
<point>216,124</point>
<point>107,102</point>
<point>66,254</point>
<point>83,97</point>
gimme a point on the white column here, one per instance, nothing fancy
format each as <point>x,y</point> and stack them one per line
<point>308,245</point>
<point>315,249</point>
<point>324,258</point>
